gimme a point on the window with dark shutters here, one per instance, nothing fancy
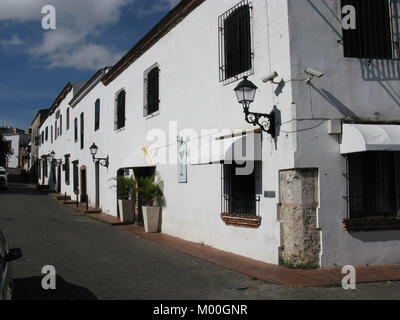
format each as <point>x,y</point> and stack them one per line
<point>97,115</point>
<point>373,184</point>
<point>152,92</point>
<point>239,191</point>
<point>235,44</point>
<point>76,129</point>
<point>120,121</point>
<point>372,37</point>
<point>67,119</point>
<point>76,175</point>
<point>66,169</point>
<point>82,130</point>
<point>45,167</point>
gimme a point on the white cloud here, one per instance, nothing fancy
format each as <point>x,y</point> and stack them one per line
<point>79,24</point>
<point>14,41</point>
<point>86,56</point>
<point>158,6</point>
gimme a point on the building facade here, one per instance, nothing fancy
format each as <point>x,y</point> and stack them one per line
<point>169,106</point>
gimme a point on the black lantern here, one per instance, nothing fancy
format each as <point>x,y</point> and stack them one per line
<point>52,158</point>
<point>102,161</point>
<point>93,150</point>
<point>245,92</point>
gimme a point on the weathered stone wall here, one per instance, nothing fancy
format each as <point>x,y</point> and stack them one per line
<point>301,243</point>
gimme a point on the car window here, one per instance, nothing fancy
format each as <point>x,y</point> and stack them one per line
<point>2,172</point>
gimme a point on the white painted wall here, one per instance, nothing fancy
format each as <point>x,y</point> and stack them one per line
<point>192,96</point>
<point>348,88</point>
<point>13,159</point>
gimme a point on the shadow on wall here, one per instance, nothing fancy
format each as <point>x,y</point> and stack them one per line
<point>382,71</point>
<point>342,108</point>
<point>335,28</point>
<point>278,122</point>
<point>31,289</point>
<point>376,236</point>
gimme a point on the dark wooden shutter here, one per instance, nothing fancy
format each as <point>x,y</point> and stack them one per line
<point>82,130</point>
<point>372,37</point>
<point>237,42</point>
<point>76,129</point>
<point>76,176</point>
<point>67,169</point>
<point>121,110</point>
<point>152,90</point>
<point>68,119</point>
<point>97,115</point>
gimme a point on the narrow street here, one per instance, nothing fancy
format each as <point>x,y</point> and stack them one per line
<point>96,261</point>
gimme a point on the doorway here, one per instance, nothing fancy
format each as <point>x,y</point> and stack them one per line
<point>59,179</point>
<point>141,173</point>
<point>83,190</point>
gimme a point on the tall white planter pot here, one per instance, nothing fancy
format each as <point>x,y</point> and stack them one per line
<point>126,210</point>
<point>151,218</point>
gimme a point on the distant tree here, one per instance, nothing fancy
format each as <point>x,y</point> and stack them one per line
<point>5,150</point>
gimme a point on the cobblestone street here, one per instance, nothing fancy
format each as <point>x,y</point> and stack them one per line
<point>96,261</point>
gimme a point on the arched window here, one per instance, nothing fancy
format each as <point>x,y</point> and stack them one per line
<point>97,115</point>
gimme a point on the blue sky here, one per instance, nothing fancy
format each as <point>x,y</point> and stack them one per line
<point>36,64</point>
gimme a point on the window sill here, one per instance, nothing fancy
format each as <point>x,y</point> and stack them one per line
<point>152,115</point>
<point>372,224</point>
<point>120,130</point>
<point>253,222</point>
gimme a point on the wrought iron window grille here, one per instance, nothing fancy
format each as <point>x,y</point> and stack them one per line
<point>235,43</point>
<point>151,84</point>
<point>377,33</point>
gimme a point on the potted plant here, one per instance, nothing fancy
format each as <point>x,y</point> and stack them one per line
<point>151,196</point>
<point>125,193</point>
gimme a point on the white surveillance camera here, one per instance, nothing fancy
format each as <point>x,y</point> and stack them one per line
<point>270,77</point>
<point>313,72</point>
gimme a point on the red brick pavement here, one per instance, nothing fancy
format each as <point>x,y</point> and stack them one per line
<point>268,272</point>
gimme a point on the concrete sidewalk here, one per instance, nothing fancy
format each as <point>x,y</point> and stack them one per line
<point>258,270</point>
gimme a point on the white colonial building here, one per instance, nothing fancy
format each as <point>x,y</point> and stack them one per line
<point>323,187</point>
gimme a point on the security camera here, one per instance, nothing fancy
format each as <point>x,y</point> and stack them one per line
<point>314,73</point>
<point>270,77</point>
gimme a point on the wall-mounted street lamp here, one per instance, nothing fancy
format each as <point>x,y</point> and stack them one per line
<point>102,161</point>
<point>49,158</point>
<point>53,158</point>
<point>245,92</point>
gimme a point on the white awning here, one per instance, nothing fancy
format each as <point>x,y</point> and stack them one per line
<point>139,158</point>
<point>217,150</point>
<point>370,137</point>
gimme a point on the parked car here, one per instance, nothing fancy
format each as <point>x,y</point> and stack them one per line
<point>6,257</point>
<point>3,179</point>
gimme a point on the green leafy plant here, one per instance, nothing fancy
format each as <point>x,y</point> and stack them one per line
<point>150,192</point>
<point>126,187</point>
